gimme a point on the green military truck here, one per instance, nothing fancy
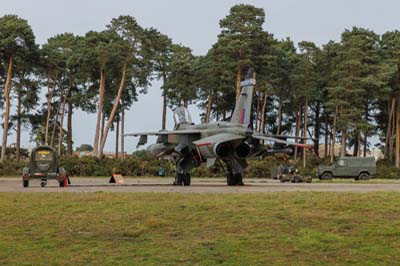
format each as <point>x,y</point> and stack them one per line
<point>359,168</point>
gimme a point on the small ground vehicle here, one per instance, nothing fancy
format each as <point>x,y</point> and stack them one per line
<point>288,173</point>
<point>44,165</point>
<point>360,168</point>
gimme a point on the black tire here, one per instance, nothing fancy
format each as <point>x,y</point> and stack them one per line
<point>231,180</point>
<point>297,179</point>
<point>239,180</point>
<point>43,183</point>
<point>25,183</point>
<point>178,180</point>
<point>363,176</point>
<point>326,176</point>
<point>186,179</point>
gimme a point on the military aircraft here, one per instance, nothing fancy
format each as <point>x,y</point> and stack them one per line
<point>226,142</point>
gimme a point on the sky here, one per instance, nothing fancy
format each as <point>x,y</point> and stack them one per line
<point>194,24</point>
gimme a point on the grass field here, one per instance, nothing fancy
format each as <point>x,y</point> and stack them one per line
<point>199,229</point>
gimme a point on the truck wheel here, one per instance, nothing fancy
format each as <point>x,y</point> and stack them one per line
<point>326,176</point>
<point>363,176</point>
<point>25,183</point>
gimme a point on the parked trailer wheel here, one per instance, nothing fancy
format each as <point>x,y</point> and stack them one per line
<point>25,183</point>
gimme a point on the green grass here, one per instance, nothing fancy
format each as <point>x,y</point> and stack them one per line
<point>199,229</point>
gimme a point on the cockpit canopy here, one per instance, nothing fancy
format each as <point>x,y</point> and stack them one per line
<point>182,116</point>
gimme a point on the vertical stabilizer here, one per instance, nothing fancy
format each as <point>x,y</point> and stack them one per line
<point>242,111</point>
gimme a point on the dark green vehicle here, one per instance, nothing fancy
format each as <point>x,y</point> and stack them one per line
<point>44,165</point>
<point>359,168</point>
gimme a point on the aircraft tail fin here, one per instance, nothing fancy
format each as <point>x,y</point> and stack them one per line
<point>242,111</point>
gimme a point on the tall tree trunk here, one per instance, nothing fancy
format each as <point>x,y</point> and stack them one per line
<point>103,124</point>
<point>99,112</point>
<point>238,80</point>
<point>343,143</point>
<point>117,139</point>
<point>53,133</point>
<point>297,131</point>
<point>164,107</point>
<point>260,112</point>
<point>326,134</point>
<point>209,105</point>
<point>258,115</point>
<point>7,89</point>
<point>61,127</point>
<point>123,133</point>
<point>397,162</point>
<point>305,131</point>
<point>113,111</point>
<point>334,134</point>
<point>18,141</point>
<point>69,127</point>
<point>264,106</point>
<point>50,91</point>
<point>278,131</point>
<point>391,140</point>
<point>366,132</point>
<point>391,103</point>
<point>356,143</point>
<point>317,128</point>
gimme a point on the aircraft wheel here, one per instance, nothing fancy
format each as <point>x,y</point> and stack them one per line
<point>178,180</point>
<point>25,183</point>
<point>231,180</point>
<point>239,180</point>
<point>186,179</point>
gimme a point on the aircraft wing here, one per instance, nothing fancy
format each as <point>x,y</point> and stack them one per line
<point>277,140</point>
<point>218,138</point>
<point>143,135</point>
<point>286,137</point>
<point>163,132</point>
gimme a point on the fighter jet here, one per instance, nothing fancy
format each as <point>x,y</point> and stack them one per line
<point>228,143</point>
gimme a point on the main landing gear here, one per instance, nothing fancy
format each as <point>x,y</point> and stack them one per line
<point>234,179</point>
<point>234,172</point>
<point>182,179</point>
